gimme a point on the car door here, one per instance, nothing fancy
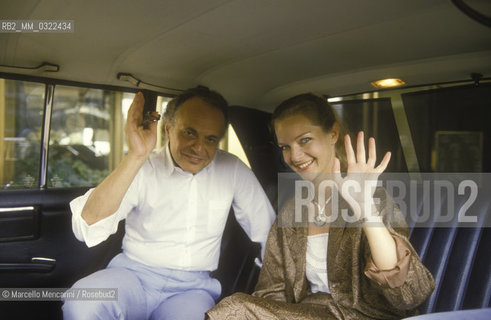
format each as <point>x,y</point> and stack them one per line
<point>56,141</point>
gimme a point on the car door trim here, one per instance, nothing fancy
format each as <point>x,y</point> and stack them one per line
<point>13,209</point>
<point>48,107</point>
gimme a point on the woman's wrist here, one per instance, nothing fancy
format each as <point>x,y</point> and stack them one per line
<point>371,219</point>
<point>368,209</point>
<point>370,214</point>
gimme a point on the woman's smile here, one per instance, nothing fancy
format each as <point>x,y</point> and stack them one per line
<point>304,165</point>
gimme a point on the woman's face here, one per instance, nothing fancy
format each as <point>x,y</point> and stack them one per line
<point>306,147</point>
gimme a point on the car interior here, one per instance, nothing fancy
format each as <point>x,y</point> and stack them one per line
<point>70,69</point>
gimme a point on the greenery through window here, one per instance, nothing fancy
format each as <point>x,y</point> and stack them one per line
<point>21,118</point>
<point>85,136</point>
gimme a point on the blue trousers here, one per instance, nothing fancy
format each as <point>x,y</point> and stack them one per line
<point>145,292</point>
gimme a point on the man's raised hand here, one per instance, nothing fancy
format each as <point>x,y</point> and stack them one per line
<point>141,141</point>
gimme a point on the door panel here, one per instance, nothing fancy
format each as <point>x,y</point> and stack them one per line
<point>53,257</point>
<point>18,223</point>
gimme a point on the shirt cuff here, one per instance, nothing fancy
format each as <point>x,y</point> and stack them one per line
<point>396,276</point>
<point>96,233</point>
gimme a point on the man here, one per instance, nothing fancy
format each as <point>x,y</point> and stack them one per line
<point>175,201</point>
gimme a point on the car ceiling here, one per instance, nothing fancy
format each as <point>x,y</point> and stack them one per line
<point>255,52</point>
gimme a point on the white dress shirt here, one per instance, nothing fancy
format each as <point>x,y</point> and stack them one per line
<point>175,219</point>
<point>316,269</point>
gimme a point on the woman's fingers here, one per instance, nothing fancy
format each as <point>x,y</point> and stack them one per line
<point>336,171</point>
<point>350,153</point>
<point>383,165</point>
<point>359,160</point>
<point>360,148</point>
<point>372,153</point>
<point>336,166</point>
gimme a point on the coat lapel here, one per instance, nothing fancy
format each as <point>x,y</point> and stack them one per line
<point>298,247</point>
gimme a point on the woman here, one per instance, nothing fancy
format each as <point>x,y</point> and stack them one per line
<point>329,265</point>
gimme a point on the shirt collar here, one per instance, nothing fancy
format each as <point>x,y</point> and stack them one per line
<point>169,166</point>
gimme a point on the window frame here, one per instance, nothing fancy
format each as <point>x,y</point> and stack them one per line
<point>50,90</point>
<point>395,96</point>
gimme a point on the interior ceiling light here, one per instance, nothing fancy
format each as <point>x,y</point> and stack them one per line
<point>387,83</point>
<point>335,99</point>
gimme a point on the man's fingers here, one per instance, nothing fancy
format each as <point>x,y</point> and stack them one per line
<point>360,148</point>
<point>136,108</point>
<point>152,127</point>
<point>138,101</point>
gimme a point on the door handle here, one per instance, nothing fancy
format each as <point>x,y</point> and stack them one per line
<point>37,264</point>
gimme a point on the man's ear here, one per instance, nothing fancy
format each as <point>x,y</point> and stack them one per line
<point>334,132</point>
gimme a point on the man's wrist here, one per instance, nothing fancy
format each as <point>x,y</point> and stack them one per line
<point>140,159</point>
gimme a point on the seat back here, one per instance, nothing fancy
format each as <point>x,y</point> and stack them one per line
<point>236,270</point>
<point>460,260</point>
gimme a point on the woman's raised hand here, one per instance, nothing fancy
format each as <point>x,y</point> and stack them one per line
<point>358,186</point>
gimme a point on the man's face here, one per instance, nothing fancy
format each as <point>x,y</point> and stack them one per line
<point>194,135</point>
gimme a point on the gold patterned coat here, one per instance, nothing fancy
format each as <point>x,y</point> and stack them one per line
<point>358,290</point>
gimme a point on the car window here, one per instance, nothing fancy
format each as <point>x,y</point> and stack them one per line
<point>85,140</point>
<point>86,137</point>
<point>376,118</point>
<point>427,128</point>
<point>21,119</point>
<point>232,144</point>
<point>451,122</point>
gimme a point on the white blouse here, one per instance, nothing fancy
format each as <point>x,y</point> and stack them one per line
<point>316,268</point>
